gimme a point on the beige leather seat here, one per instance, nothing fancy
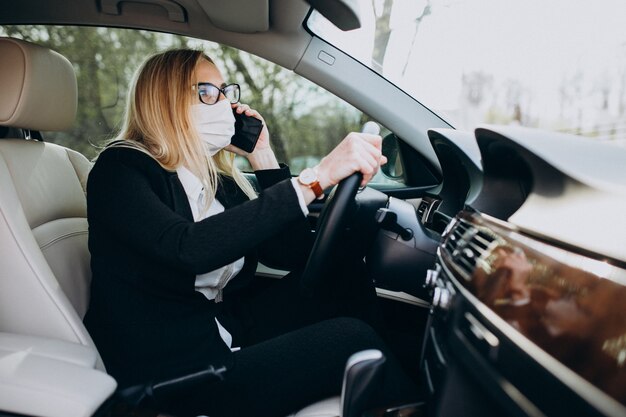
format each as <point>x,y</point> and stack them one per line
<point>44,260</point>
<point>43,215</point>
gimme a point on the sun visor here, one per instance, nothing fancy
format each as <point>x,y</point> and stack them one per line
<point>241,16</point>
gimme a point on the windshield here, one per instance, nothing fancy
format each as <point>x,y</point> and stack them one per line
<point>559,65</point>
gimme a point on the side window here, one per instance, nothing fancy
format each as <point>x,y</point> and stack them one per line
<point>305,121</point>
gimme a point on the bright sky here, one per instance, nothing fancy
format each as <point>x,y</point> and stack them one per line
<point>539,44</point>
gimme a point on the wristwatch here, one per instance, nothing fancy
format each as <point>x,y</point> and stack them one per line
<point>308,177</point>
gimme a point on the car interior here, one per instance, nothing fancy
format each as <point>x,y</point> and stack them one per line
<point>499,261</point>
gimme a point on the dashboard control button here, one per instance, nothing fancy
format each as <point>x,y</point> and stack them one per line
<point>441,299</point>
<point>431,277</point>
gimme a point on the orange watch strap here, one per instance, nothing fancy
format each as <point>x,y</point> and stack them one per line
<point>317,189</point>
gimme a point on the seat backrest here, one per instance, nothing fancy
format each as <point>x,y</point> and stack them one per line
<point>44,260</point>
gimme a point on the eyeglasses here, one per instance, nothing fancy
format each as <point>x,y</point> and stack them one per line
<point>210,94</point>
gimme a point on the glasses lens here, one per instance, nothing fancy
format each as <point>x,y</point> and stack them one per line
<point>231,92</point>
<point>209,94</point>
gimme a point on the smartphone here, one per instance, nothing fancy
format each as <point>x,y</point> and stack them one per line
<point>247,131</point>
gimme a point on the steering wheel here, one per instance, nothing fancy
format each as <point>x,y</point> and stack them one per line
<point>330,225</point>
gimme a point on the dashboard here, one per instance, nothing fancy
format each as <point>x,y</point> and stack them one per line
<point>521,253</point>
<point>539,329</point>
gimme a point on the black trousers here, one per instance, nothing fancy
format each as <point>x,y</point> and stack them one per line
<point>294,350</point>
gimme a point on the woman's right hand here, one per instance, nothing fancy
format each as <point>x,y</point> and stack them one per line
<point>357,152</point>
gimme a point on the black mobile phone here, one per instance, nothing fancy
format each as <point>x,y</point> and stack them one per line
<point>247,131</point>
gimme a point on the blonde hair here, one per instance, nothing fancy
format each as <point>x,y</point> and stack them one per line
<point>157,121</point>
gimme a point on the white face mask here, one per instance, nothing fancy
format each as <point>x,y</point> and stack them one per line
<point>215,124</point>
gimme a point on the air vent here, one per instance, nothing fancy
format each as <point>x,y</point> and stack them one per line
<point>426,209</point>
<point>422,209</point>
<point>465,244</point>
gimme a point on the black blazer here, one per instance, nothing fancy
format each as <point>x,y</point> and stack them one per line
<point>145,316</point>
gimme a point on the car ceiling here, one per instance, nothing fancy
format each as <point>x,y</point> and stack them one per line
<point>256,26</point>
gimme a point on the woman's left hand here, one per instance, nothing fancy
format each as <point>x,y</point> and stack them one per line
<point>262,157</point>
<point>264,139</point>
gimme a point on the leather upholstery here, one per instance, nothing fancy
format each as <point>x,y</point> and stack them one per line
<point>43,241</point>
<point>44,377</point>
<point>44,285</point>
<point>38,87</point>
<point>50,348</point>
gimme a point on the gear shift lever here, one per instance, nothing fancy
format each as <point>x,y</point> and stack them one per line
<point>361,376</point>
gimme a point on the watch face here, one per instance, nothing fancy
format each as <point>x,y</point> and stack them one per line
<point>308,176</point>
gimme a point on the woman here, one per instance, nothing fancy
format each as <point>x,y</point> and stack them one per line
<point>175,234</point>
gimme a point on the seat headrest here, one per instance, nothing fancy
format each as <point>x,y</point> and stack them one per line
<point>37,87</point>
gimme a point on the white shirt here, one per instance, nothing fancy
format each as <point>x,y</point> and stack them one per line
<point>211,284</point>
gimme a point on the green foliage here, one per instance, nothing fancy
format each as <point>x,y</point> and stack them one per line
<point>104,61</point>
<point>303,119</point>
